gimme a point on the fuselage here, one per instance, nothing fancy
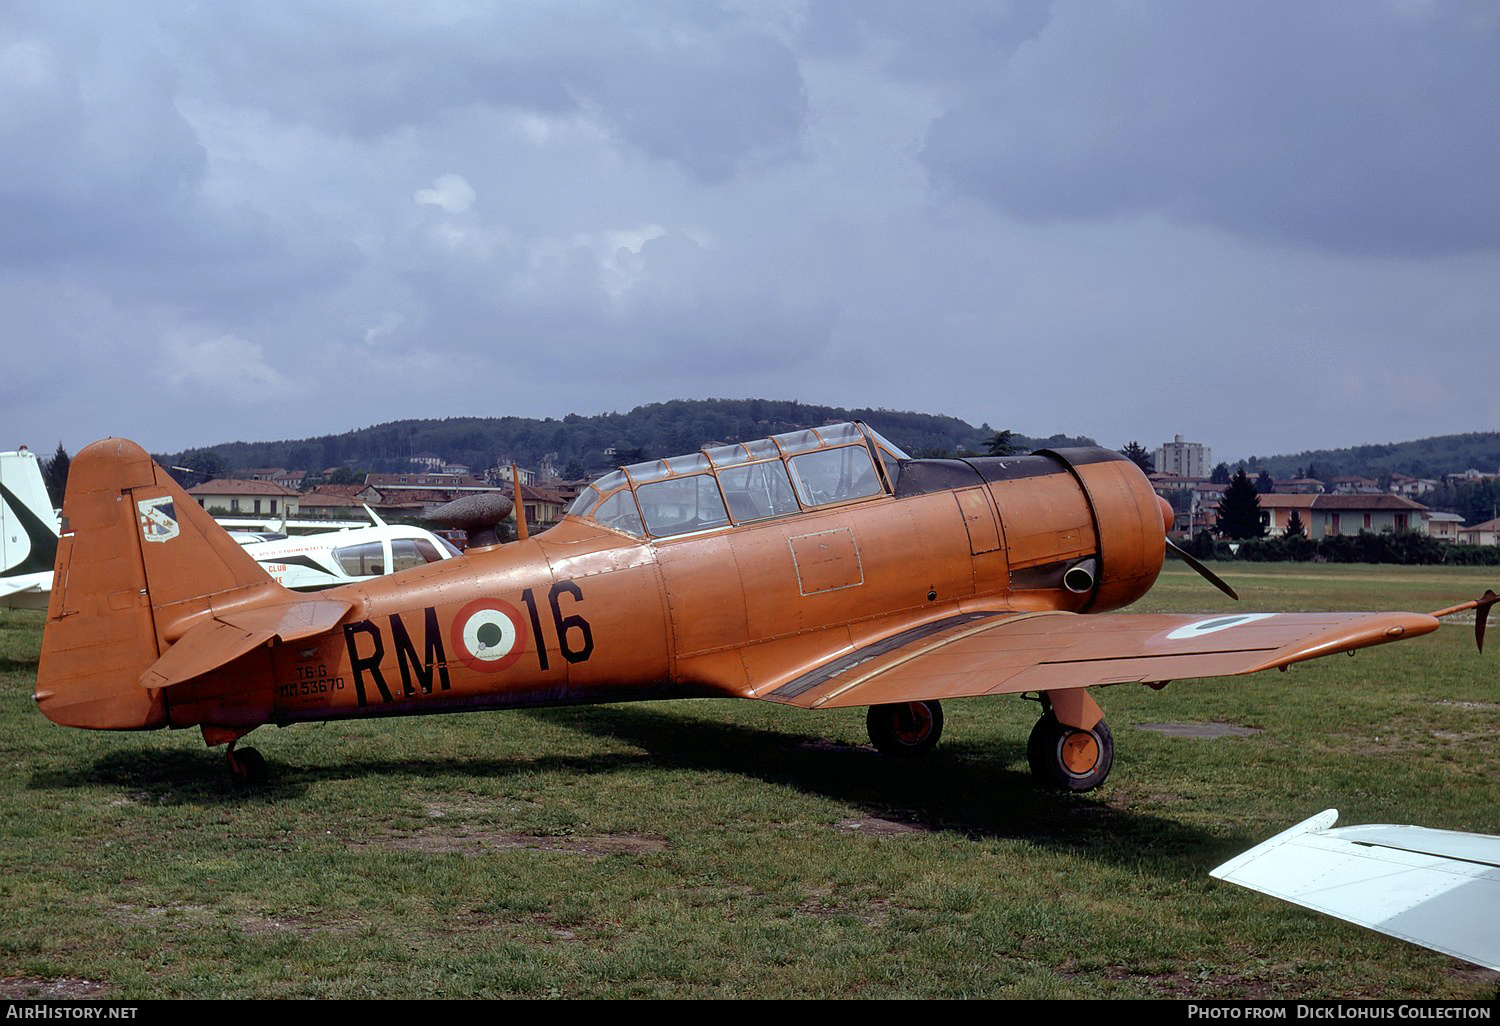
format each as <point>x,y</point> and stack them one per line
<point>728,582</point>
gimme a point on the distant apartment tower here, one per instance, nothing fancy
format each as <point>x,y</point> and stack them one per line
<point>1186,459</point>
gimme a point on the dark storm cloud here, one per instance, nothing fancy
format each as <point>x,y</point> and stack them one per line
<point>687,83</point>
<point>1357,127</point>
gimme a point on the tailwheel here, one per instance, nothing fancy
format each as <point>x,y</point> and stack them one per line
<point>905,728</point>
<point>1068,759</point>
<point>247,765</point>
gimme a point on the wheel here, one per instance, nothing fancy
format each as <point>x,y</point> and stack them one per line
<point>1069,759</point>
<point>905,728</point>
<point>248,766</point>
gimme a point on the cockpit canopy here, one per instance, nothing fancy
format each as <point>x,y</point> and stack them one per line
<point>743,483</point>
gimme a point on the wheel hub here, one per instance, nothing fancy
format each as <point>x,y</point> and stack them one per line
<point>1079,752</point>
<point>913,723</point>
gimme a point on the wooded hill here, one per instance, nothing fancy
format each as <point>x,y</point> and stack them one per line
<point>646,432</point>
<point>1426,457</point>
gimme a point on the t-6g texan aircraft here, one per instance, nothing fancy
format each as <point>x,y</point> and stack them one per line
<point>819,568</point>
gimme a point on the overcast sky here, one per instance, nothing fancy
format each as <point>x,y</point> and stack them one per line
<point>1266,227</point>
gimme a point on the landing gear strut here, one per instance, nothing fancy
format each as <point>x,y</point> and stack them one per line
<point>905,728</point>
<point>1068,759</point>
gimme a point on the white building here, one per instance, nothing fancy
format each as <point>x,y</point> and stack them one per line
<point>1186,459</point>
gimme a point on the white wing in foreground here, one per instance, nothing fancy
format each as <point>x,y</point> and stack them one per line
<point>1436,888</point>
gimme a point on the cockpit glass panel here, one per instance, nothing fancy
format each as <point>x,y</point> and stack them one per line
<point>758,491</point>
<point>892,464</point>
<point>654,470</point>
<point>366,560</point>
<point>835,475</point>
<point>585,501</point>
<point>692,463</point>
<point>609,482</point>
<point>798,441</point>
<point>726,455</point>
<point>762,449</point>
<point>682,504</point>
<point>885,443</point>
<point>409,552</point>
<point>840,434</point>
<point>619,512</point>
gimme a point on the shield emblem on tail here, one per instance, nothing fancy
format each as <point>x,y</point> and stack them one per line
<point>158,519</point>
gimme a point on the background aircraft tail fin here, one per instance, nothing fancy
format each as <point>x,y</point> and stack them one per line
<point>139,564</point>
<point>28,528</point>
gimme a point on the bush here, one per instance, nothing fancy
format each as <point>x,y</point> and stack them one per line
<point>1407,548</point>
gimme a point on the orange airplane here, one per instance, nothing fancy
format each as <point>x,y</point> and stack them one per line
<point>820,568</point>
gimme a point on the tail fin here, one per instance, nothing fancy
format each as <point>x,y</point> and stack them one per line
<point>139,564</point>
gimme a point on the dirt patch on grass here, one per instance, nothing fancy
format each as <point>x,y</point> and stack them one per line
<point>302,926</point>
<point>1187,985</point>
<point>823,904</point>
<point>875,826</point>
<point>473,807</point>
<point>192,917</point>
<point>1470,705</point>
<point>477,842</point>
<point>1464,736</point>
<point>15,988</point>
<point>1472,974</point>
<point>1205,731</point>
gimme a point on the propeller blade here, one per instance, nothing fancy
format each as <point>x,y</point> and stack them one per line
<point>1481,614</point>
<point>1203,571</point>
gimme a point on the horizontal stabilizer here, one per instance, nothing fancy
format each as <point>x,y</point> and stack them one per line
<point>1436,888</point>
<point>221,641</point>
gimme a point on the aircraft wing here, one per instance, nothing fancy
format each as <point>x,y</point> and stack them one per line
<point>1436,888</point>
<point>996,653</point>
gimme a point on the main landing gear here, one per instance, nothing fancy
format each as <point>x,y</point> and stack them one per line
<point>1066,758</point>
<point>905,728</point>
<point>1062,757</point>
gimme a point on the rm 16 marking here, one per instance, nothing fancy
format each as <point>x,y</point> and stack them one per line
<point>488,634</point>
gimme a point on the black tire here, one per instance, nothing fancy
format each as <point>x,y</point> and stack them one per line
<point>905,729</point>
<point>1060,755</point>
<point>248,766</point>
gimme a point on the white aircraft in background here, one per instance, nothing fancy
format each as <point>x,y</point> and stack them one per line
<point>312,562</point>
<point>1436,888</point>
<point>28,532</point>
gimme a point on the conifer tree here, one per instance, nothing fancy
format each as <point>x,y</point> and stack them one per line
<point>1137,454</point>
<point>1239,509</point>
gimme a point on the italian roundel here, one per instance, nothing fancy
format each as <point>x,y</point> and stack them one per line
<point>489,635</point>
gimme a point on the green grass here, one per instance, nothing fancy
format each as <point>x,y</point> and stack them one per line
<point>740,849</point>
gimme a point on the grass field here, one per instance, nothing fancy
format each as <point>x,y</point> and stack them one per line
<point>740,849</point>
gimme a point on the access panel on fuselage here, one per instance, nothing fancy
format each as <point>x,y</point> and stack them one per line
<point>841,565</point>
